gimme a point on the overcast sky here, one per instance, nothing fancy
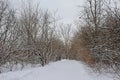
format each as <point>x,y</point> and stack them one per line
<point>67,9</point>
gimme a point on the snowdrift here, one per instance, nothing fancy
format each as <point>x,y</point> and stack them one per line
<point>61,70</point>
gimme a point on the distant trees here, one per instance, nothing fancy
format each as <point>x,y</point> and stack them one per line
<point>65,33</point>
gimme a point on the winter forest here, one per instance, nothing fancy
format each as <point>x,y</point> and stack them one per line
<point>33,35</point>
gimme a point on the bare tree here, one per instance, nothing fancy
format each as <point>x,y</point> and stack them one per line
<point>38,33</point>
<point>66,34</point>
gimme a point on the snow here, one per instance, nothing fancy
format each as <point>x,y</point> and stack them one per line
<point>61,70</point>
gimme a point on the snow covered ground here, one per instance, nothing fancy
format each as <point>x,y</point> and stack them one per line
<point>61,70</point>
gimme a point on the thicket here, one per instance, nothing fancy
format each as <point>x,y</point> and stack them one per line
<point>98,39</point>
<point>34,36</point>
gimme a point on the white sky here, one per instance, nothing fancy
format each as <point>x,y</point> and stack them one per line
<point>67,9</point>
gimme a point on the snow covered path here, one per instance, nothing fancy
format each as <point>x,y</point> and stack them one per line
<point>61,70</point>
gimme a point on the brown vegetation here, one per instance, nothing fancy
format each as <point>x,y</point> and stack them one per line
<point>32,36</point>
